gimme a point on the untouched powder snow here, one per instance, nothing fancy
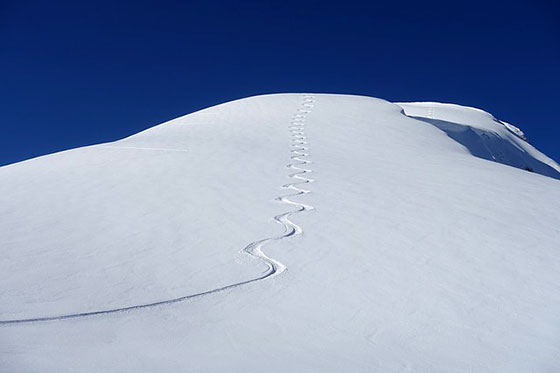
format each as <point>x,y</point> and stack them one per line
<point>404,241</point>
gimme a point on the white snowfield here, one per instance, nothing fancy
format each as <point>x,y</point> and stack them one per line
<point>286,233</point>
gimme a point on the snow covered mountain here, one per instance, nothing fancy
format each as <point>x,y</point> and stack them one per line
<point>292,232</point>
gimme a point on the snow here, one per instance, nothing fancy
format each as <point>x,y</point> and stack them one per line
<point>416,247</point>
<point>483,135</point>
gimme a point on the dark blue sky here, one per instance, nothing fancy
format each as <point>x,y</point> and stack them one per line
<point>81,72</point>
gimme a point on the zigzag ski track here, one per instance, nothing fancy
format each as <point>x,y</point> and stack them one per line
<point>254,249</point>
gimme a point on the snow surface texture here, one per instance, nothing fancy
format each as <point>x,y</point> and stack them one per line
<point>407,253</point>
<point>484,136</point>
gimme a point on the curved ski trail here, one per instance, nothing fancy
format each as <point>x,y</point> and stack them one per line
<point>254,249</point>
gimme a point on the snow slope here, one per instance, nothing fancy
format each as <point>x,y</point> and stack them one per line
<point>483,135</point>
<point>286,233</point>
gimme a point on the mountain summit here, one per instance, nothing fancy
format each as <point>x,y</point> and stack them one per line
<point>288,232</point>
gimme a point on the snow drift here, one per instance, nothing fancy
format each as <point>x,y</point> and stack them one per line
<point>484,136</point>
<point>406,241</point>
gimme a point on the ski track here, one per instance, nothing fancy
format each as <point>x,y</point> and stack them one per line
<point>140,148</point>
<point>254,249</point>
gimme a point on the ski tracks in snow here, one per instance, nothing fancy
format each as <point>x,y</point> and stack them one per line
<point>298,153</point>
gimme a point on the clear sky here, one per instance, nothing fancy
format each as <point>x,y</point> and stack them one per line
<point>84,72</point>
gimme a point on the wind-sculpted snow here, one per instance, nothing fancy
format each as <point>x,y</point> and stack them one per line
<point>484,136</point>
<point>254,249</point>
